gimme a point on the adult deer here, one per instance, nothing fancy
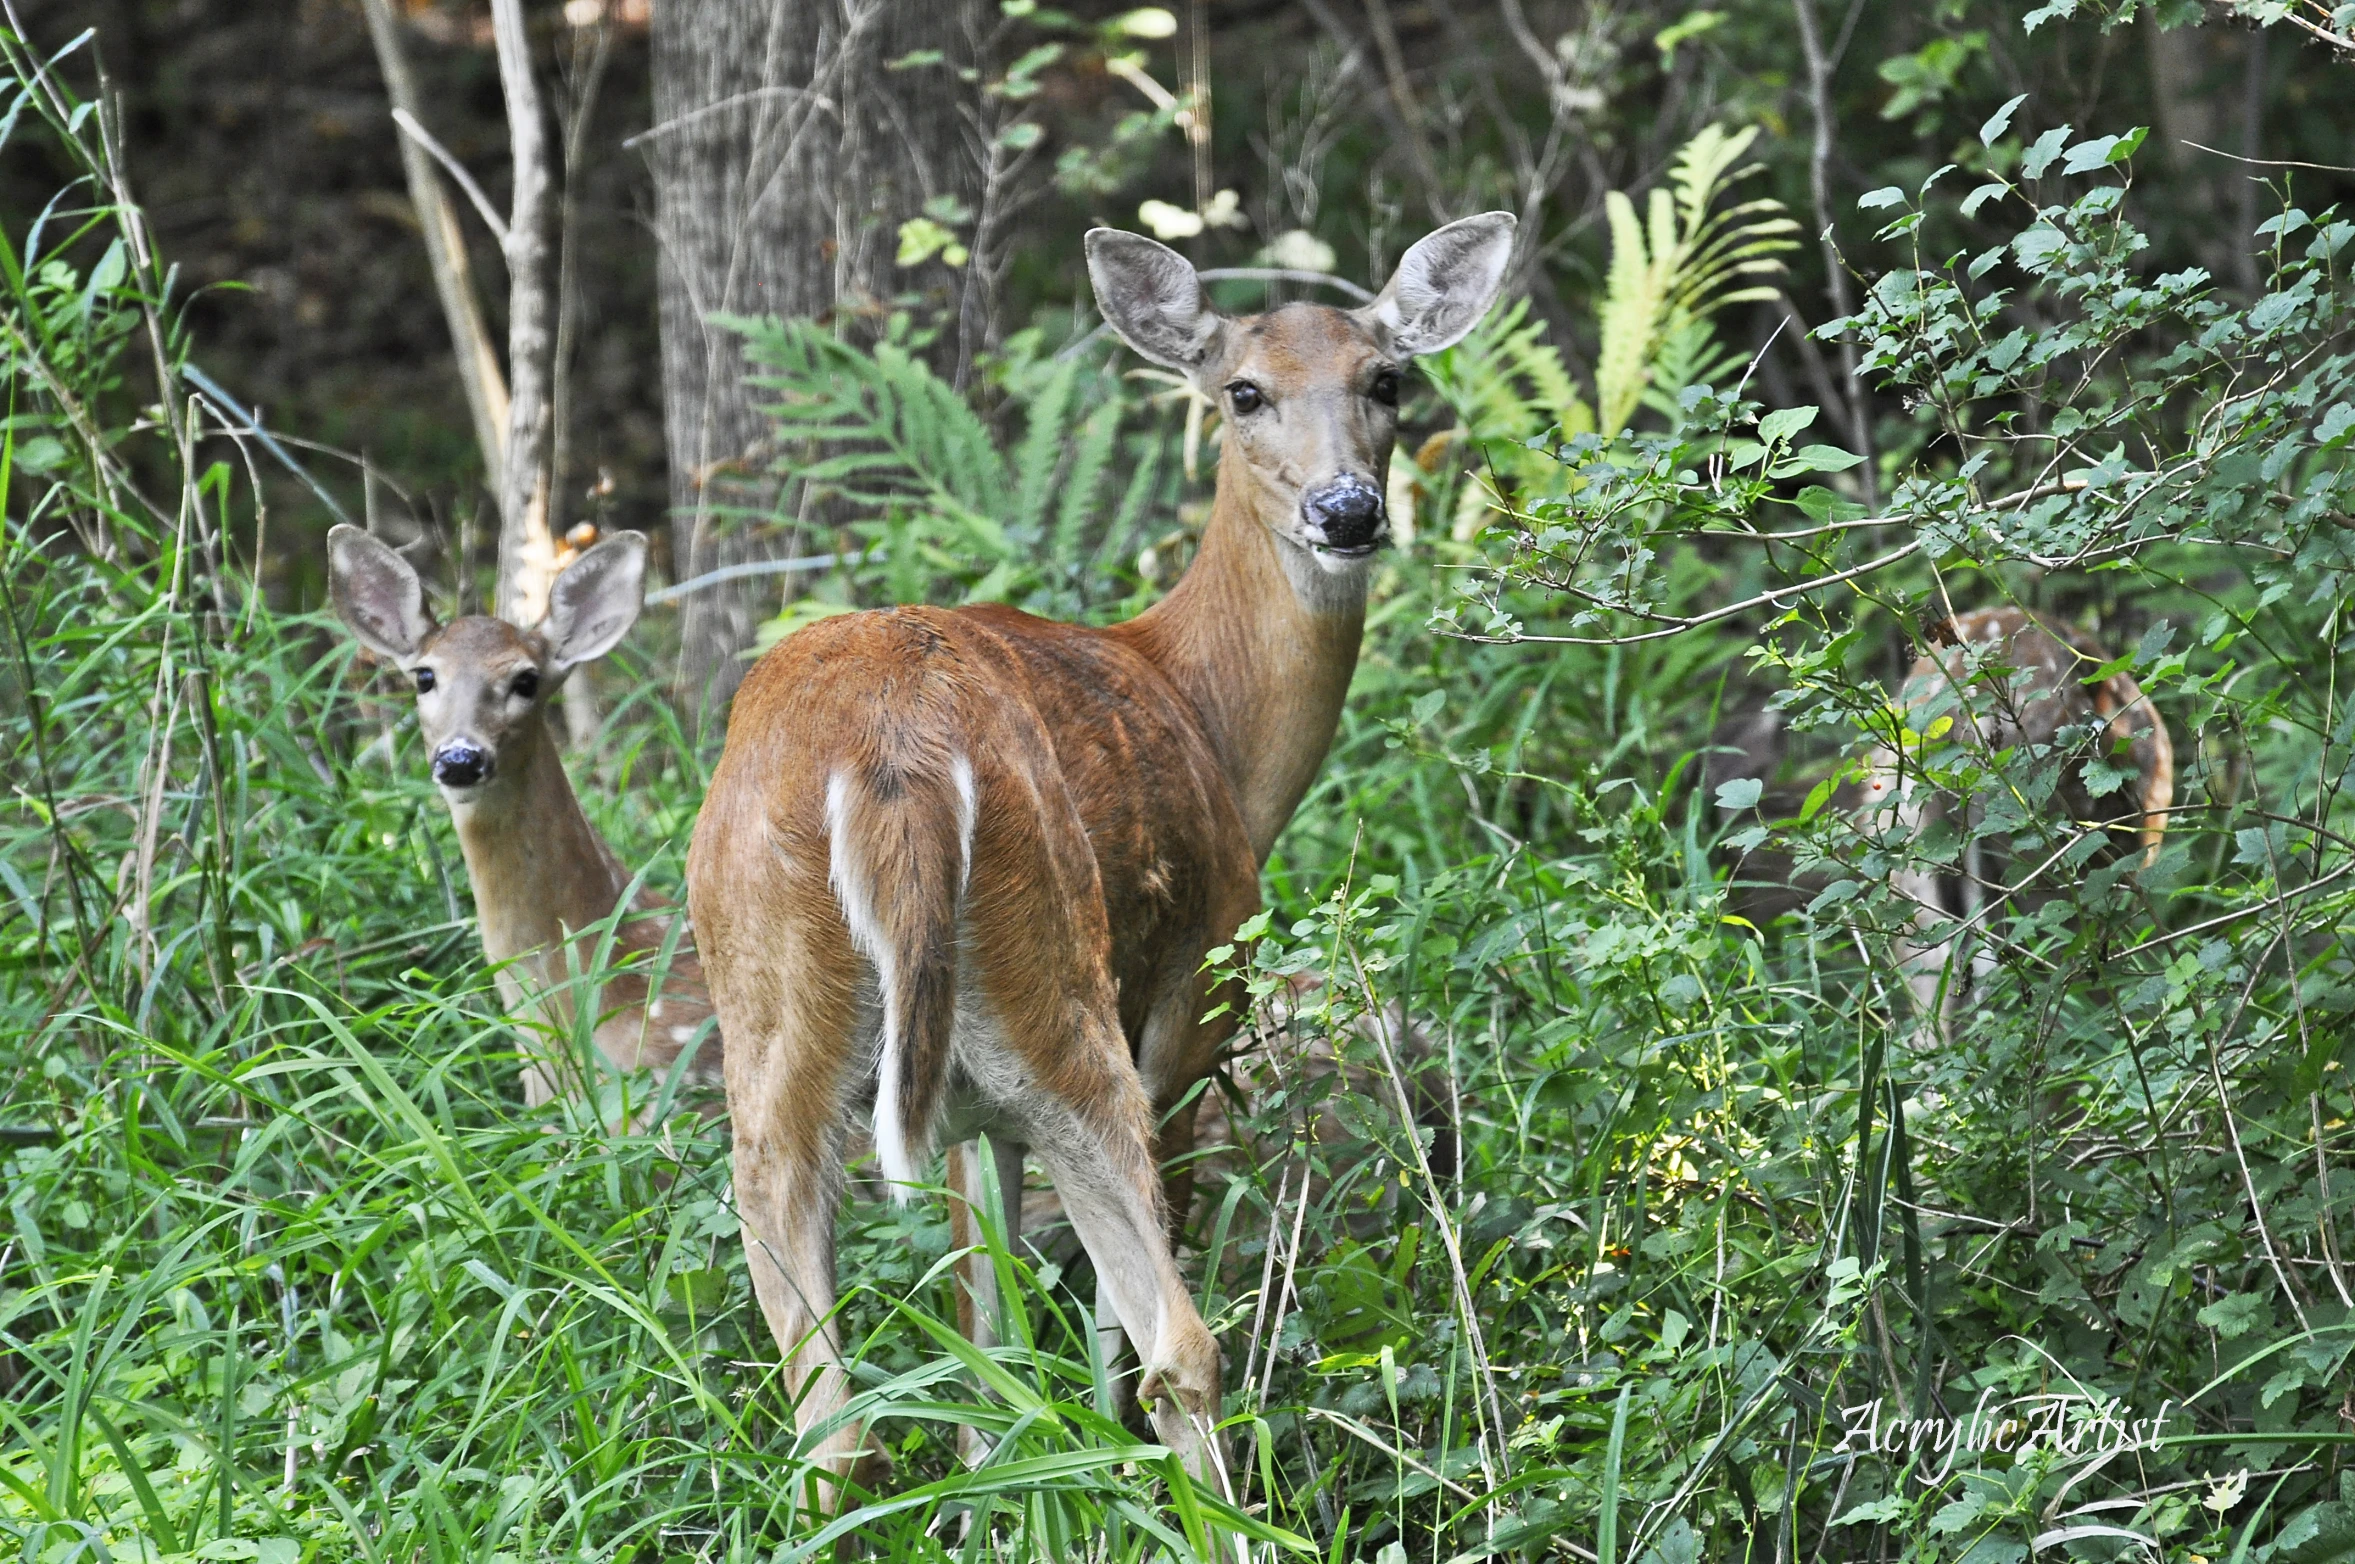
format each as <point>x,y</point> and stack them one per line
<point>2007,679</point>
<point>544,880</point>
<point>965,863</point>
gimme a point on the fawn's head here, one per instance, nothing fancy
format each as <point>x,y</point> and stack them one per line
<point>482,685</point>
<point>1309,393</point>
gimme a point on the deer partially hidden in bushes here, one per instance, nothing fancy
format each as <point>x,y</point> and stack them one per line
<point>546,885</point>
<point>957,869</point>
<point>2009,680</point>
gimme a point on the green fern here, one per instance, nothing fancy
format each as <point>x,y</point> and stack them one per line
<point>945,511</point>
<point>1671,269</point>
<point>1680,265</point>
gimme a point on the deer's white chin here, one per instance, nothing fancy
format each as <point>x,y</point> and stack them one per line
<point>1327,580</point>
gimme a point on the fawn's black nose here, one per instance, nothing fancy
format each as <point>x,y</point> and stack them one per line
<point>461,763</point>
<point>1346,515</point>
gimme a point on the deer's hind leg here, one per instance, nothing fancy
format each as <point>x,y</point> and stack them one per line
<point>787,1090</point>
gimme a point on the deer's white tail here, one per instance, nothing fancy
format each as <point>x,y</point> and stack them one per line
<point>900,839</point>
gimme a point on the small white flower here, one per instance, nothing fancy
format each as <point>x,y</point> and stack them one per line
<point>1169,222</point>
<point>1299,250</point>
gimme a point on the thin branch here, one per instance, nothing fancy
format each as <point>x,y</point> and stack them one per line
<point>223,402</point>
<point>799,565</point>
<point>445,251</point>
<point>457,170</point>
<point>1284,274</point>
<point>1396,103</point>
<point>2269,162</point>
<point>568,311</point>
<point>1771,598</point>
<point>2314,30</point>
<point>1819,184</point>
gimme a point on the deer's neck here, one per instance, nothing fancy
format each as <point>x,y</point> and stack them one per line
<point>540,870</point>
<point>1262,638</point>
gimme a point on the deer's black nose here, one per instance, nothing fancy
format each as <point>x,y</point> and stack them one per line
<point>1346,515</point>
<point>462,763</point>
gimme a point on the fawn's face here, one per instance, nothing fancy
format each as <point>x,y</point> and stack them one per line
<point>1309,394</point>
<point>481,690</point>
<point>482,685</point>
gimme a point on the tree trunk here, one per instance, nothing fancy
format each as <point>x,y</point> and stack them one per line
<point>786,153</point>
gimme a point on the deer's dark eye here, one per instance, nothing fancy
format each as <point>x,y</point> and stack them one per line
<point>1385,387</point>
<point>1245,397</point>
<point>424,678</point>
<point>527,684</point>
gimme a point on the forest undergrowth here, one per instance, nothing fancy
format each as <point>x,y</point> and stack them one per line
<point>1736,1256</point>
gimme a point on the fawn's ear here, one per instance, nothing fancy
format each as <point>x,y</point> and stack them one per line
<point>376,594</point>
<point>595,601</point>
<point>1445,284</point>
<point>1150,295</point>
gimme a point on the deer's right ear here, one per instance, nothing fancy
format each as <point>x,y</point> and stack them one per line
<point>1150,295</point>
<point>376,594</point>
<point>594,603</point>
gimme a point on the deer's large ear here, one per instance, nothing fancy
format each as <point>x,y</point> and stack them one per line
<point>595,601</point>
<point>376,594</point>
<point>1445,284</point>
<point>1150,295</point>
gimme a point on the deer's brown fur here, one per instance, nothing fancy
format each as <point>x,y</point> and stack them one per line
<point>965,863</point>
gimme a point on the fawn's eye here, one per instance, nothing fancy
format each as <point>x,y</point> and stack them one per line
<point>1246,397</point>
<point>527,684</point>
<point>424,678</point>
<point>1385,387</point>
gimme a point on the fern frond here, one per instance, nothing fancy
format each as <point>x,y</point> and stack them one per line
<point>1681,265</point>
<point>1041,452</point>
<point>1091,456</point>
<point>1633,304</point>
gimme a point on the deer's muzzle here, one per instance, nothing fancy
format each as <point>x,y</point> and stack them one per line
<point>462,763</point>
<point>1346,516</point>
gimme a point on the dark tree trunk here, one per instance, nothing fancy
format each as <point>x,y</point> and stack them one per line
<point>786,153</point>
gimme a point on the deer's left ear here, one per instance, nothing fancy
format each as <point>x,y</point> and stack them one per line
<point>1445,284</point>
<point>595,601</point>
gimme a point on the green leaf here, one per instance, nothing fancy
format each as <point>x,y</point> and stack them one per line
<point>1997,123</point>
<point>1784,422</point>
<point>1995,190</point>
<point>2236,1314</point>
<point>1739,793</point>
<point>920,238</point>
<point>1823,505</point>
<point>2086,156</point>
<point>1825,458</point>
<point>1874,200</point>
<point>2045,148</point>
<point>1691,26</point>
<point>1874,1512</point>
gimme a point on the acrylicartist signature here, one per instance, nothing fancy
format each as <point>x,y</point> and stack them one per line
<point>2067,1424</point>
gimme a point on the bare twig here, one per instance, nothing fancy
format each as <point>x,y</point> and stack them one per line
<point>448,160</point>
<point>576,155</point>
<point>445,251</point>
<point>1397,102</point>
<point>1819,181</point>
<point>1678,624</point>
<point>2319,31</point>
<point>734,100</point>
